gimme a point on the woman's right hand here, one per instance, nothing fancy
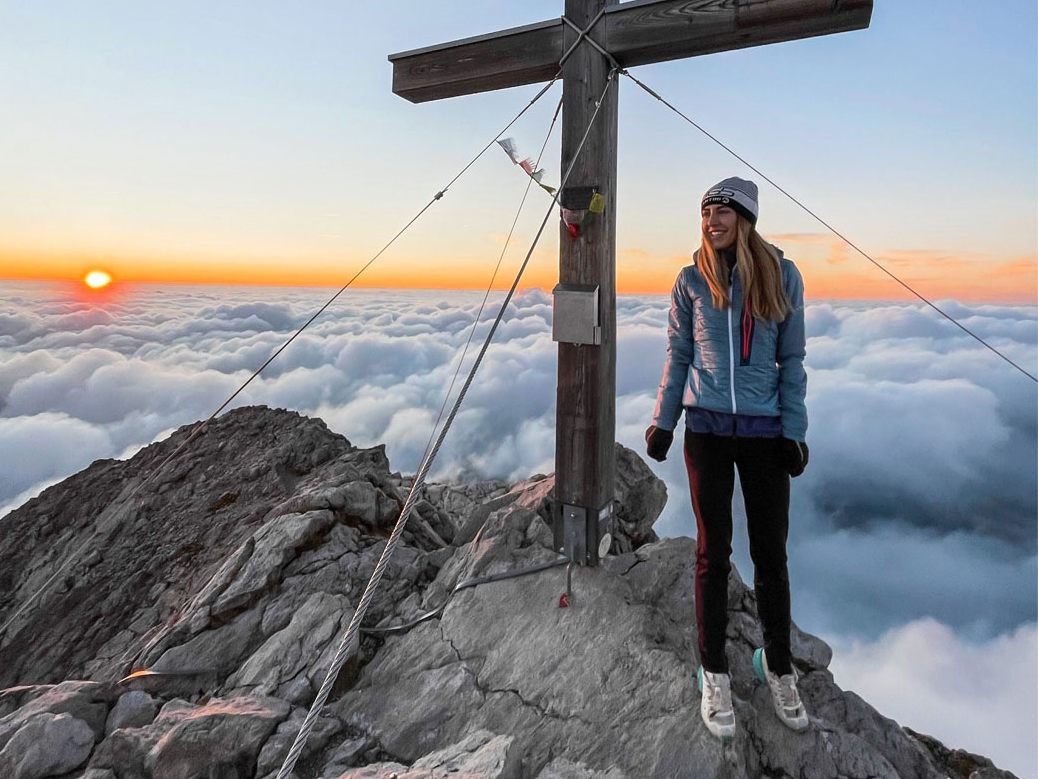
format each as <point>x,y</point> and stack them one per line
<point>657,442</point>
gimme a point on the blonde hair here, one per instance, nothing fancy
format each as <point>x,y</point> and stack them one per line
<point>759,271</point>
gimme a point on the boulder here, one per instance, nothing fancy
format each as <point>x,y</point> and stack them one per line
<point>86,702</point>
<point>134,709</point>
<point>481,755</point>
<point>223,737</point>
<point>46,745</point>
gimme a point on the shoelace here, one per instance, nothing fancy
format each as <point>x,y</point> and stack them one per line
<point>718,702</point>
<point>788,695</point>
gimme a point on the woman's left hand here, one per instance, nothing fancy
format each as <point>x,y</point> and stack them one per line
<point>796,455</point>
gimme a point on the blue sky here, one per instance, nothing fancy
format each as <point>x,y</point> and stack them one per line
<point>249,132</point>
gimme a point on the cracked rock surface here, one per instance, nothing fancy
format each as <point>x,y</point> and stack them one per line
<point>230,578</point>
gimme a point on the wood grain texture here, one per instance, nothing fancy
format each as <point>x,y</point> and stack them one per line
<point>639,34</point>
<point>506,59</point>
<point>636,33</point>
<point>585,422</point>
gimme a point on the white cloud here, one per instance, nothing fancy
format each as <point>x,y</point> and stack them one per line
<point>45,447</point>
<point>914,426</point>
<point>919,503</point>
<point>857,581</point>
<point>977,696</point>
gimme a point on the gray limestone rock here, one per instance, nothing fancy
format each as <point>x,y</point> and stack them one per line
<point>134,709</point>
<point>348,753</point>
<point>274,545</point>
<point>480,755</point>
<point>959,763</point>
<point>157,550</point>
<point>86,702</point>
<point>383,771</point>
<point>504,658</point>
<point>302,649</point>
<point>212,651</point>
<point>640,499</point>
<point>46,745</point>
<point>510,660</point>
<point>125,751</point>
<point>233,575</point>
<point>276,748</point>
<point>223,737</point>
<point>560,768</point>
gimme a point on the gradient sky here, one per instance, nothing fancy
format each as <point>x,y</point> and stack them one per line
<point>259,142</point>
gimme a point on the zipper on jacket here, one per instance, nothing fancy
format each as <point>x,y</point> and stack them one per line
<point>731,347</point>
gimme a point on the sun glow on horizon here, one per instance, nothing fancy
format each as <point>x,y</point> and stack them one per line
<point>96,279</point>
<point>828,271</point>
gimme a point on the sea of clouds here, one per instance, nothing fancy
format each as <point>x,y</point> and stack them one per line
<point>912,543</point>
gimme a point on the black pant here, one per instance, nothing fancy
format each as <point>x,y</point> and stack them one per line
<point>711,461</point>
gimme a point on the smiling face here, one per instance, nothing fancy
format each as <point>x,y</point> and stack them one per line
<point>719,226</point>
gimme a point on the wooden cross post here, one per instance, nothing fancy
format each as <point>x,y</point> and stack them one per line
<point>584,318</point>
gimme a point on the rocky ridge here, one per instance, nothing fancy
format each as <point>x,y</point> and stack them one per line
<point>232,575</point>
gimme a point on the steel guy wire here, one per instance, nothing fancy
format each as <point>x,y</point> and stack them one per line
<point>612,60</point>
<point>490,286</point>
<point>74,555</point>
<point>582,34</point>
<point>350,640</point>
<point>828,226</point>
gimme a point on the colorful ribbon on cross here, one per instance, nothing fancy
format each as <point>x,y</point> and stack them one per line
<point>508,144</point>
<point>577,219</point>
<point>581,205</point>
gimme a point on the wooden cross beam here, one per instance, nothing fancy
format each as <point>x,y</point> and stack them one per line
<point>634,33</point>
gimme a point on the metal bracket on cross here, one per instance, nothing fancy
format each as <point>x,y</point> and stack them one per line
<point>583,534</point>
<point>581,35</point>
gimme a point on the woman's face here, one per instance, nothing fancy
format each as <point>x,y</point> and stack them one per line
<point>719,226</point>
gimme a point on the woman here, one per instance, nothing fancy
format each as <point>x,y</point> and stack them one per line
<point>735,363</point>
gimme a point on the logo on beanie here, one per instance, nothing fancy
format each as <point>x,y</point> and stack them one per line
<point>734,193</point>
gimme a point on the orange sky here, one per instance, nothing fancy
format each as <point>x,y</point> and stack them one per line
<point>830,269</point>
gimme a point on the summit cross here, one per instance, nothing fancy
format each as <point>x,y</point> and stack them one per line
<point>633,33</point>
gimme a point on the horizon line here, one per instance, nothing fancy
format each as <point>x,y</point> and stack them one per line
<point>116,285</point>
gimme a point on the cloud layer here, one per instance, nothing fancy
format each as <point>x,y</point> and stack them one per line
<point>917,510</point>
<point>974,695</point>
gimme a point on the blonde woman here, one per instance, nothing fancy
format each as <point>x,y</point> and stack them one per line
<point>735,364</point>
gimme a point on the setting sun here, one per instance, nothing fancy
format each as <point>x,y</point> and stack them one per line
<point>97,279</point>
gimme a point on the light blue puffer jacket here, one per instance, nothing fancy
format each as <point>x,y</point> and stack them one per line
<point>705,366</point>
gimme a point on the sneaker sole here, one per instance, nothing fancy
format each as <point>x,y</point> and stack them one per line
<point>758,664</point>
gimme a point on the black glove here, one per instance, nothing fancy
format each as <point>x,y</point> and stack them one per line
<point>658,442</point>
<point>795,454</point>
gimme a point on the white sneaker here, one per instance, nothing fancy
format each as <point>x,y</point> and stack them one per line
<point>784,695</point>
<point>716,705</point>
